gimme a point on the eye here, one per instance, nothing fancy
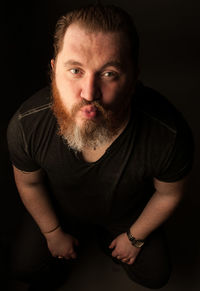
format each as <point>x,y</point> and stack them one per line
<point>110,75</point>
<point>75,71</point>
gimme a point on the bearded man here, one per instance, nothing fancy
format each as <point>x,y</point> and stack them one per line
<point>97,151</point>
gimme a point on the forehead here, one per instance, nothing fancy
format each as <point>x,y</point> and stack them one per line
<point>90,46</point>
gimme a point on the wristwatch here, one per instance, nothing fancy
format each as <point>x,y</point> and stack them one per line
<point>138,243</point>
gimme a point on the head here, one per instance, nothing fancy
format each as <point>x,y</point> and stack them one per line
<point>94,71</point>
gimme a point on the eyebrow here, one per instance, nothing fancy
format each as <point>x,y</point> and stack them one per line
<point>72,62</point>
<point>115,64</point>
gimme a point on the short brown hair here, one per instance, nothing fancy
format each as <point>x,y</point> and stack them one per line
<point>98,17</point>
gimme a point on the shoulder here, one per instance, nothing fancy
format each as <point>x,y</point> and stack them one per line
<point>30,131</point>
<point>38,102</point>
<point>164,135</point>
<point>157,110</point>
<point>33,116</point>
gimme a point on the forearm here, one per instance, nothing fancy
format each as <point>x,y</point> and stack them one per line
<point>35,197</point>
<point>157,211</point>
<point>36,201</point>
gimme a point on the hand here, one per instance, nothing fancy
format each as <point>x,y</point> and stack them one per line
<point>61,244</point>
<point>123,249</point>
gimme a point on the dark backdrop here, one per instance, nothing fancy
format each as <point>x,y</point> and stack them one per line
<point>169,58</point>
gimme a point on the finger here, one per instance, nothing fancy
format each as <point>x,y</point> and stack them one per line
<point>113,244</point>
<point>131,261</point>
<point>114,253</point>
<point>73,256</point>
<point>125,260</point>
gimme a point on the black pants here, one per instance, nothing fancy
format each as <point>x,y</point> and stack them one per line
<point>30,259</point>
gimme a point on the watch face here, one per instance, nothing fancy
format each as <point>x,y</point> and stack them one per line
<point>138,243</point>
<point>134,241</point>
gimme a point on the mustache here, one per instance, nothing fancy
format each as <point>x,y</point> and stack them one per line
<point>98,104</point>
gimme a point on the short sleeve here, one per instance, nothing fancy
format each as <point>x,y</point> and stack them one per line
<point>180,158</point>
<point>18,147</point>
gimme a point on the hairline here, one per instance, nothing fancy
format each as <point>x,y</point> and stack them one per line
<point>85,26</point>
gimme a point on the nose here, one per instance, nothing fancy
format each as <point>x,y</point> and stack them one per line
<point>90,90</point>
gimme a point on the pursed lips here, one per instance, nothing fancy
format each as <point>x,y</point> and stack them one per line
<point>89,111</point>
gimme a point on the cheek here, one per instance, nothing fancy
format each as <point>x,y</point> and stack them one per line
<point>113,93</point>
<point>68,89</point>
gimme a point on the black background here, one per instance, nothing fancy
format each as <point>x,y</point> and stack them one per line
<point>169,59</point>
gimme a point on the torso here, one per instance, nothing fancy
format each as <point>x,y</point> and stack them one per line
<point>112,184</point>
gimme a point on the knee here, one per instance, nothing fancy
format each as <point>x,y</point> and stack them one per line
<point>151,280</point>
<point>151,283</point>
<point>155,282</point>
<point>158,277</point>
<point>21,272</point>
<point>25,268</point>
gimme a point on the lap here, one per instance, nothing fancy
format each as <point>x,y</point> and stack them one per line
<point>29,255</point>
<point>28,250</point>
<point>152,267</point>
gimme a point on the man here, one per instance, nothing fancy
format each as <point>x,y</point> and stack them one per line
<point>99,149</point>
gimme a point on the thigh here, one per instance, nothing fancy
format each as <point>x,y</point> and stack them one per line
<point>152,267</point>
<point>29,254</point>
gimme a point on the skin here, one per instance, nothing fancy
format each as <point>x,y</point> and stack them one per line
<point>159,208</point>
<point>94,66</point>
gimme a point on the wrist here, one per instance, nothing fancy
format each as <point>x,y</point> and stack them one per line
<point>52,232</point>
<point>138,243</point>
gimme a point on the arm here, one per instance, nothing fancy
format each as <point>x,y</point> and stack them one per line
<point>159,208</point>
<point>35,198</point>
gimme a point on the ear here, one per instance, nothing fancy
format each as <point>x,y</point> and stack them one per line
<point>52,64</point>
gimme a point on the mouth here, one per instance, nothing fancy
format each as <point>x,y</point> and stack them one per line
<point>89,111</point>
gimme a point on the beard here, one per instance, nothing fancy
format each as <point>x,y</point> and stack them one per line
<point>92,133</point>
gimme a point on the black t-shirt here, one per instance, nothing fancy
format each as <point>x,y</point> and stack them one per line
<point>112,191</point>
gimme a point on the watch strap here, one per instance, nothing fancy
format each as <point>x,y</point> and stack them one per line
<point>138,243</point>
